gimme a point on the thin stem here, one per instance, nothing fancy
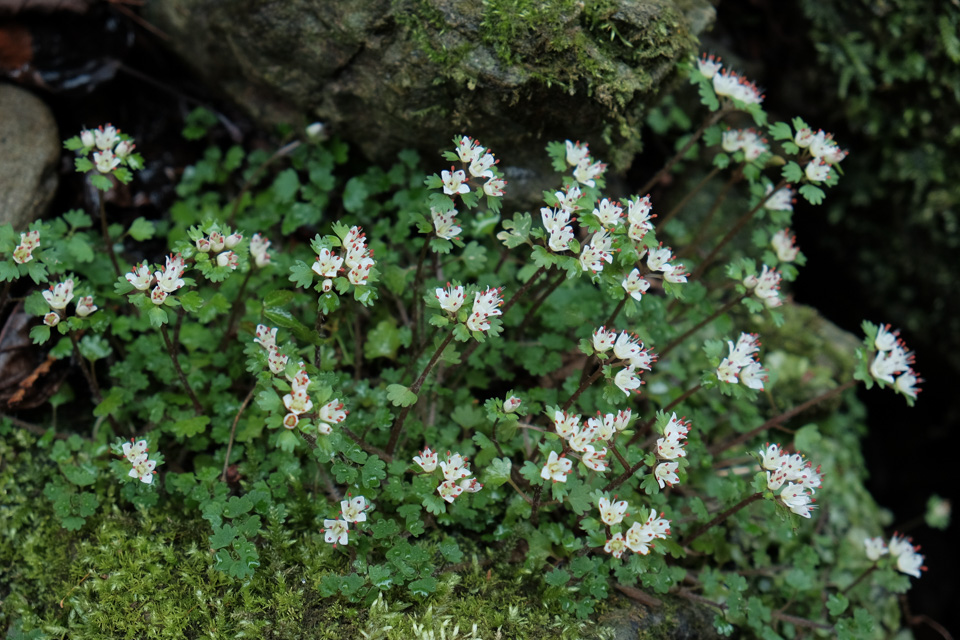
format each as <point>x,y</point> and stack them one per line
<point>5,295</point>
<point>783,417</point>
<point>744,219</point>
<point>522,290</point>
<point>860,578</point>
<point>369,448</point>
<point>417,300</point>
<point>233,432</point>
<point>616,312</point>
<point>106,233</point>
<point>721,517</point>
<point>281,152</point>
<point>520,491</point>
<point>88,372</point>
<point>398,425</point>
<point>709,122</point>
<point>535,510</point>
<point>707,219</point>
<point>686,199</point>
<point>235,309</point>
<point>197,407</point>
<point>583,387</point>
<point>542,298</point>
<point>642,429</point>
<point>716,314</point>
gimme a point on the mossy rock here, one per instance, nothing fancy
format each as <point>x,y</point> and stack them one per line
<point>414,73</point>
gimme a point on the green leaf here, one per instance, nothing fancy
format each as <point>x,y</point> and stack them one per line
<point>385,528</point>
<point>781,131</point>
<point>286,185</point>
<point>278,298</point>
<point>792,172</point>
<point>451,550</point>
<point>142,229</point>
<point>283,318</point>
<point>40,334</point>
<point>222,536</point>
<point>497,472</point>
<point>301,274</point>
<point>837,603</point>
<point>383,341</point>
<point>517,230</point>
<point>81,476</point>
<point>557,578</point>
<point>400,396</point>
<point>380,576</point>
<point>110,404</point>
<point>373,472</point>
<point>812,194</point>
<point>79,248</point>
<point>188,427</point>
<point>423,586</point>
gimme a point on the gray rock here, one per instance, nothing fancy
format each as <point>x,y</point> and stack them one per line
<point>29,154</point>
<point>387,75</point>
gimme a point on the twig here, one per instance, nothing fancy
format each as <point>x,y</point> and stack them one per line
<point>197,407</point>
<point>233,432</point>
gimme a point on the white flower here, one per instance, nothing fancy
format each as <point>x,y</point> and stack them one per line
<point>622,419</point>
<point>592,260</point>
<point>709,65</point>
<point>359,273</point>
<point>900,545</point>
<point>453,182</point>
<point>105,138</point>
<point>566,424</point>
<point>29,241</point>
<point>427,460</point>
<point>85,306</point>
<point>51,319</point>
<point>608,213</point>
<point>568,201</point>
<point>577,153</point>
<point>803,138</point>
<point>603,340</point>
<point>675,273</point>
<point>327,265</point>
<point>203,245</point>
<point>612,512</point>
<point>228,259</point>
<point>727,371</point>
<point>797,500</point>
<point>298,402</point>
<point>470,485</point>
<point>335,531</point>
<point>783,245</point>
<point>585,172</point>
<point>445,224</point>
<point>771,457</point>
<point>910,563</point>
<point>666,474</point>
<point>627,346</point>
<point>87,138</point>
<point>676,427</point>
<point>817,170</point>
<point>140,277</point>
<point>638,539</point>
<point>580,440</point>
<point>217,241</point>
<point>59,295</point>
<point>353,510</point>
<point>157,296</point>
<point>451,298</point>
<point>594,459</point>
<point>906,384</point>
<point>291,420</point>
<point>258,249</point>
<point>635,285</point>
<point>886,340</point>
<point>144,471</point>
<point>875,548</point>
<point>169,279</point>
<point>670,448</point>
<point>556,468</point>
<point>276,361</point>
<point>494,187</point>
<point>468,149</point>
<point>753,376</point>
<point>484,305</point>
<point>639,216</point>
<point>481,167</point>
<point>511,404</point>
<point>449,490</point>
<point>333,412</point>
<point>627,380</point>
<point>766,286</point>
<point>316,130</point>
<point>615,546</point>
<point>135,452</point>
<point>657,258</point>
<point>455,467</point>
<point>266,336</point>
<point>782,200</point>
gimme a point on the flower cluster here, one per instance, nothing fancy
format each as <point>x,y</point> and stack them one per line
<point>168,280</point>
<point>579,438</point>
<point>669,448</point>
<point>893,359</point>
<point>356,258</point>
<point>24,251</point>
<point>112,152</point>
<point>824,151</point>
<point>798,474</point>
<point>58,296</point>
<point>585,168</point>
<point>784,245</point>
<point>485,305</point>
<point>557,220</point>
<point>741,365</point>
<point>479,162</point>
<point>351,510</point>
<point>625,347</point>
<point>908,560</point>
<point>659,260</point>
<point>766,286</point>
<point>639,537</point>
<point>298,401</point>
<point>258,250</point>
<point>728,83</point>
<point>748,140</point>
<point>640,217</point>
<point>456,473</point>
<point>216,243</point>
<point>142,466</point>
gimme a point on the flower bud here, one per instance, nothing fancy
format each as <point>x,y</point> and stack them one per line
<point>85,306</point>
<point>327,285</point>
<point>216,241</point>
<point>52,319</point>
<point>233,240</point>
<point>203,245</point>
<point>511,404</point>
<point>86,138</point>
<point>228,259</point>
<point>291,420</point>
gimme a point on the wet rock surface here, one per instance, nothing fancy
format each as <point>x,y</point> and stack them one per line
<point>29,154</point>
